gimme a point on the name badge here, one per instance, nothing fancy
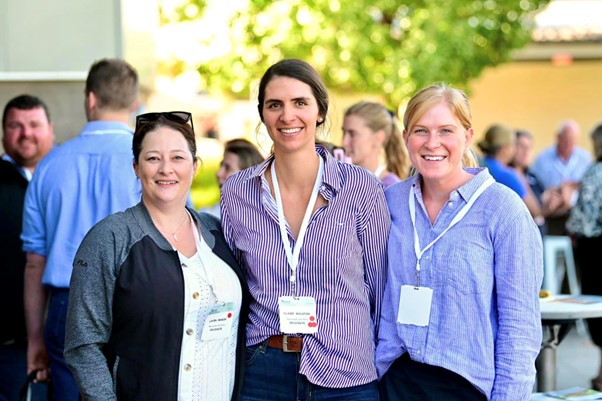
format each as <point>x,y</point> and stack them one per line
<point>415,305</point>
<point>219,322</point>
<point>298,315</point>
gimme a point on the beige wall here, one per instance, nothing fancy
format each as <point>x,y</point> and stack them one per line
<point>537,96</point>
<point>48,53</point>
<point>65,101</point>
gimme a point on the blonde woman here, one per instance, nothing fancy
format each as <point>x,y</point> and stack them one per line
<point>372,139</point>
<point>465,268</point>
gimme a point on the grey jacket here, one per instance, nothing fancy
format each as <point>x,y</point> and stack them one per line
<point>126,309</point>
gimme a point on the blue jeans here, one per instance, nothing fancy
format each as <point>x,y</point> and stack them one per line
<point>63,384</point>
<point>13,374</point>
<point>272,374</point>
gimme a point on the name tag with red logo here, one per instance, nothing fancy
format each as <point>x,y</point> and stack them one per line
<point>219,322</point>
<point>298,315</point>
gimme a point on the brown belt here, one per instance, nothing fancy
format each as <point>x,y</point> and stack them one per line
<point>286,343</point>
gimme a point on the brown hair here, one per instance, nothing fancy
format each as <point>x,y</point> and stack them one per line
<point>248,154</point>
<point>143,129</point>
<point>114,83</point>
<point>301,71</point>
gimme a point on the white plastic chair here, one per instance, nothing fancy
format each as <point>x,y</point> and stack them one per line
<point>554,272</point>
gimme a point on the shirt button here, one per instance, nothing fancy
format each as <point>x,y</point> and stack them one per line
<point>187,367</point>
<point>195,295</point>
<point>189,331</point>
<point>418,352</point>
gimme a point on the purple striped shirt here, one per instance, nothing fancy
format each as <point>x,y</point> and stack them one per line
<point>342,264</point>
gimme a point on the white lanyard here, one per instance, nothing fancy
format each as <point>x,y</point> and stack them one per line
<point>293,256</point>
<point>455,220</point>
<point>379,170</point>
<point>208,279</point>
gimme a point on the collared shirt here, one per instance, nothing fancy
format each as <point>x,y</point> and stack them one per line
<point>342,265</point>
<point>552,171</point>
<point>586,216</point>
<point>207,366</point>
<point>22,170</point>
<point>505,175</point>
<point>75,186</point>
<point>485,273</point>
<point>390,179</point>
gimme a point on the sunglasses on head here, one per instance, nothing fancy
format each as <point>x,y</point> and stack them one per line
<point>182,117</point>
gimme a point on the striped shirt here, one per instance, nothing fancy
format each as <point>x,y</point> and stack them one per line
<point>485,272</point>
<point>342,264</point>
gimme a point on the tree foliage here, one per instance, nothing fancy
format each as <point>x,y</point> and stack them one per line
<point>383,47</point>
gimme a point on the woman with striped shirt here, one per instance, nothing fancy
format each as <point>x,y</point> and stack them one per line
<point>310,233</point>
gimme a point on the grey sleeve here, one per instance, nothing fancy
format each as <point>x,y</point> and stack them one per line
<point>89,313</point>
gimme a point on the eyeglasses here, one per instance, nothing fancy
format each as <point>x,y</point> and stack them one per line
<point>182,117</point>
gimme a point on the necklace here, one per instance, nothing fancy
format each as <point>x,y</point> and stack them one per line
<point>173,234</point>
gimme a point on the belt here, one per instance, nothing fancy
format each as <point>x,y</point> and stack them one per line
<point>286,343</point>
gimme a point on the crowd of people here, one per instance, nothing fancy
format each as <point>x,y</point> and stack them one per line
<point>314,278</point>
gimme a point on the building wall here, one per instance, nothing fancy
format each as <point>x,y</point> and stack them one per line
<point>65,100</point>
<point>537,96</point>
<point>47,52</point>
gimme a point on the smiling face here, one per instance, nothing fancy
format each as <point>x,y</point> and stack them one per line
<point>361,143</point>
<point>290,114</point>
<point>28,136</point>
<point>436,144</point>
<point>165,167</point>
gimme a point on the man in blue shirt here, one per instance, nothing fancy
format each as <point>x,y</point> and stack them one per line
<point>74,186</point>
<point>560,168</point>
<point>28,135</point>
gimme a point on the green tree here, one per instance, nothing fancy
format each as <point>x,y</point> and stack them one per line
<point>383,47</point>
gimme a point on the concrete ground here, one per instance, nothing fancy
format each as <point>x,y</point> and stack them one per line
<point>578,360</point>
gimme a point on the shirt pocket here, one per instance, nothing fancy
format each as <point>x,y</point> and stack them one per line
<point>469,270</point>
<point>340,241</point>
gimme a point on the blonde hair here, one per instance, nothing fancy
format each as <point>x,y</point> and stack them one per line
<point>377,117</point>
<point>455,99</point>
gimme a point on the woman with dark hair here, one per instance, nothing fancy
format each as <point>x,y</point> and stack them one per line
<point>310,233</point>
<point>239,154</point>
<point>156,295</point>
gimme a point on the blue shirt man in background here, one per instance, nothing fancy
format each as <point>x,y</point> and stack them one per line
<point>75,185</point>
<point>560,169</point>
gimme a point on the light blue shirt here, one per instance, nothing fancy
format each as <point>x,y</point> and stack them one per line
<point>76,185</point>
<point>505,175</point>
<point>485,273</point>
<point>342,265</point>
<point>551,171</point>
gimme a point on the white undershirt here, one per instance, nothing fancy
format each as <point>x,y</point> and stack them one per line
<point>207,367</point>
